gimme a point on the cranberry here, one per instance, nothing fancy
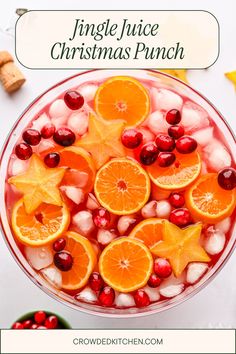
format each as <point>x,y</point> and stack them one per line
<point>176,131</point>
<point>63,261</point>
<point>40,317</point>
<point>162,268</point>
<point>52,159</point>
<point>101,218</point>
<point>51,322</point>
<point>27,324</point>
<point>64,137</point>
<point>148,154</point>
<point>74,100</point>
<point>176,200</point>
<point>23,151</point>
<point>131,138</point>
<point>48,130</point>
<point>227,178</point>
<point>31,136</point>
<point>166,159</point>
<point>186,145</point>
<point>141,298</point>
<point>17,325</point>
<point>41,327</point>
<point>173,116</point>
<point>107,296</point>
<point>34,326</point>
<point>180,217</point>
<point>165,143</point>
<point>59,244</point>
<point>95,281</point>
<point>154,281</point>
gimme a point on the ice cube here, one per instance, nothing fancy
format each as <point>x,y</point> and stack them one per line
<point>45,145</point>
<point>86,295</point>
<point>214,242</point>
<point>153,293</point>
<point>53,276</point>
<point>88,91</point>
<point>92,202</point>
<point>204,169</point>
<point>195,271</point>
<point>83,221</point>
<point>59,121</point>
<point>40,122</point>
<point>149,210</point>
<point>124,300</point>
<point>59,109</point>
<point>39,257</point>
<point>124,223</point>
<point>18,166</point>
<point>203,136</point>
<point>194,116</point>
<point>163,209</point>
<point>105,236</point>
<point>171,287</point>
<point>73,193</point>
<point>223,226</point>
<point>78,122</point>
<point>163,99</point>
<point>217,155</point>
<point>147,135</point>
<point>156,123</point>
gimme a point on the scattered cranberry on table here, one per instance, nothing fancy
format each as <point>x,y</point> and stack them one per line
<point>166,159</point>
<point>141,298</point>
<point>74,100</point>
<point>154,281</point>
<point>186,145</point>
<point>107,296</point>
<point>64,137</point>
<point>48,130</point>
<point>63,261</point>
<point>101,218</point>
<point>23,151</point>
<point>177,200</point>
<point>148,154</point>
<point>176,131</point>
<point>165,143</point>
<point>31,137</point>
<point>162,268</point>
<point>180,217</point>
<point>52,159</point>
<point>131,138</point>
<point>173,116</point>
<point>59,244</point>
<point>95,281</point>
<point>227,178</point>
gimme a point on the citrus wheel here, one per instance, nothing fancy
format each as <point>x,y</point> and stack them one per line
<point>42,226</point>
<point>179,175</point>
<point>126,264</point>
<point>208,202</point>
<point>149,231</point>
<point>81,172</point>
<point>122,186</point>
<point>84,261</point>
<point>122,97</point>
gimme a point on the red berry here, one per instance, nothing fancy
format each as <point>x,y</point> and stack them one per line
<point>48,130</point>
<point>166,159</point>
<point>52,159</point>
<point>148,154</point>
<point>74,100</point>
<point>59,244</point>
<point>95,281</point>
<point>40,317</point>
<point>186,145</point>
<point>34,326</point>
<point>165,143</point>
<point>101,218</point>
<point>64,137</point>
<point>107,296</point>
<point>154,281</point>
<point>180,217</point>
<point>27,324</point>
<point>23,151</point>
<point>41,327</point>
<point>51,322</point>
<point>63,261</point>
<point>131,138</point>
<point>176,131</point>
<point>141,298</point>
<point>173,116</point>
<point>176,200</point>
<point>17,325</point>
<point>227,178</point>
<point>31,137</point>
<point>162,268</point>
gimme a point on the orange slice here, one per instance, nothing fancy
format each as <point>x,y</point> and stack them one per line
<point>208,202</point>
<point>84,261</point>
<point>81,170</point>
<point>122,97</point>
<point>181,246</point>
<point>42,226</point>
<point>126,264</point>
<point>148,231</point>
<point>179,175</point>
<point>122,186</point>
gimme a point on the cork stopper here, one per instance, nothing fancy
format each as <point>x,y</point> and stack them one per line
<point>10,76</point>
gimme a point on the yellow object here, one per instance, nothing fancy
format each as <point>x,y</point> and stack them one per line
<point>232,77</point>
<point>179,74</point>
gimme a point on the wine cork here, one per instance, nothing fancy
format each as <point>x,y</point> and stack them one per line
<point>10,76</point>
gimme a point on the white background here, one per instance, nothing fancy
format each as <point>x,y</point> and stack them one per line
<point>213,307</point>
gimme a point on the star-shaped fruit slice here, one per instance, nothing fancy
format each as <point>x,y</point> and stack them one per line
<point>103,139</point>
<point>39,184</point>
<point>232,77</point>
<point>181,246</point>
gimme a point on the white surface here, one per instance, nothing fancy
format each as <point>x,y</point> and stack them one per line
<point>213,307</point>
